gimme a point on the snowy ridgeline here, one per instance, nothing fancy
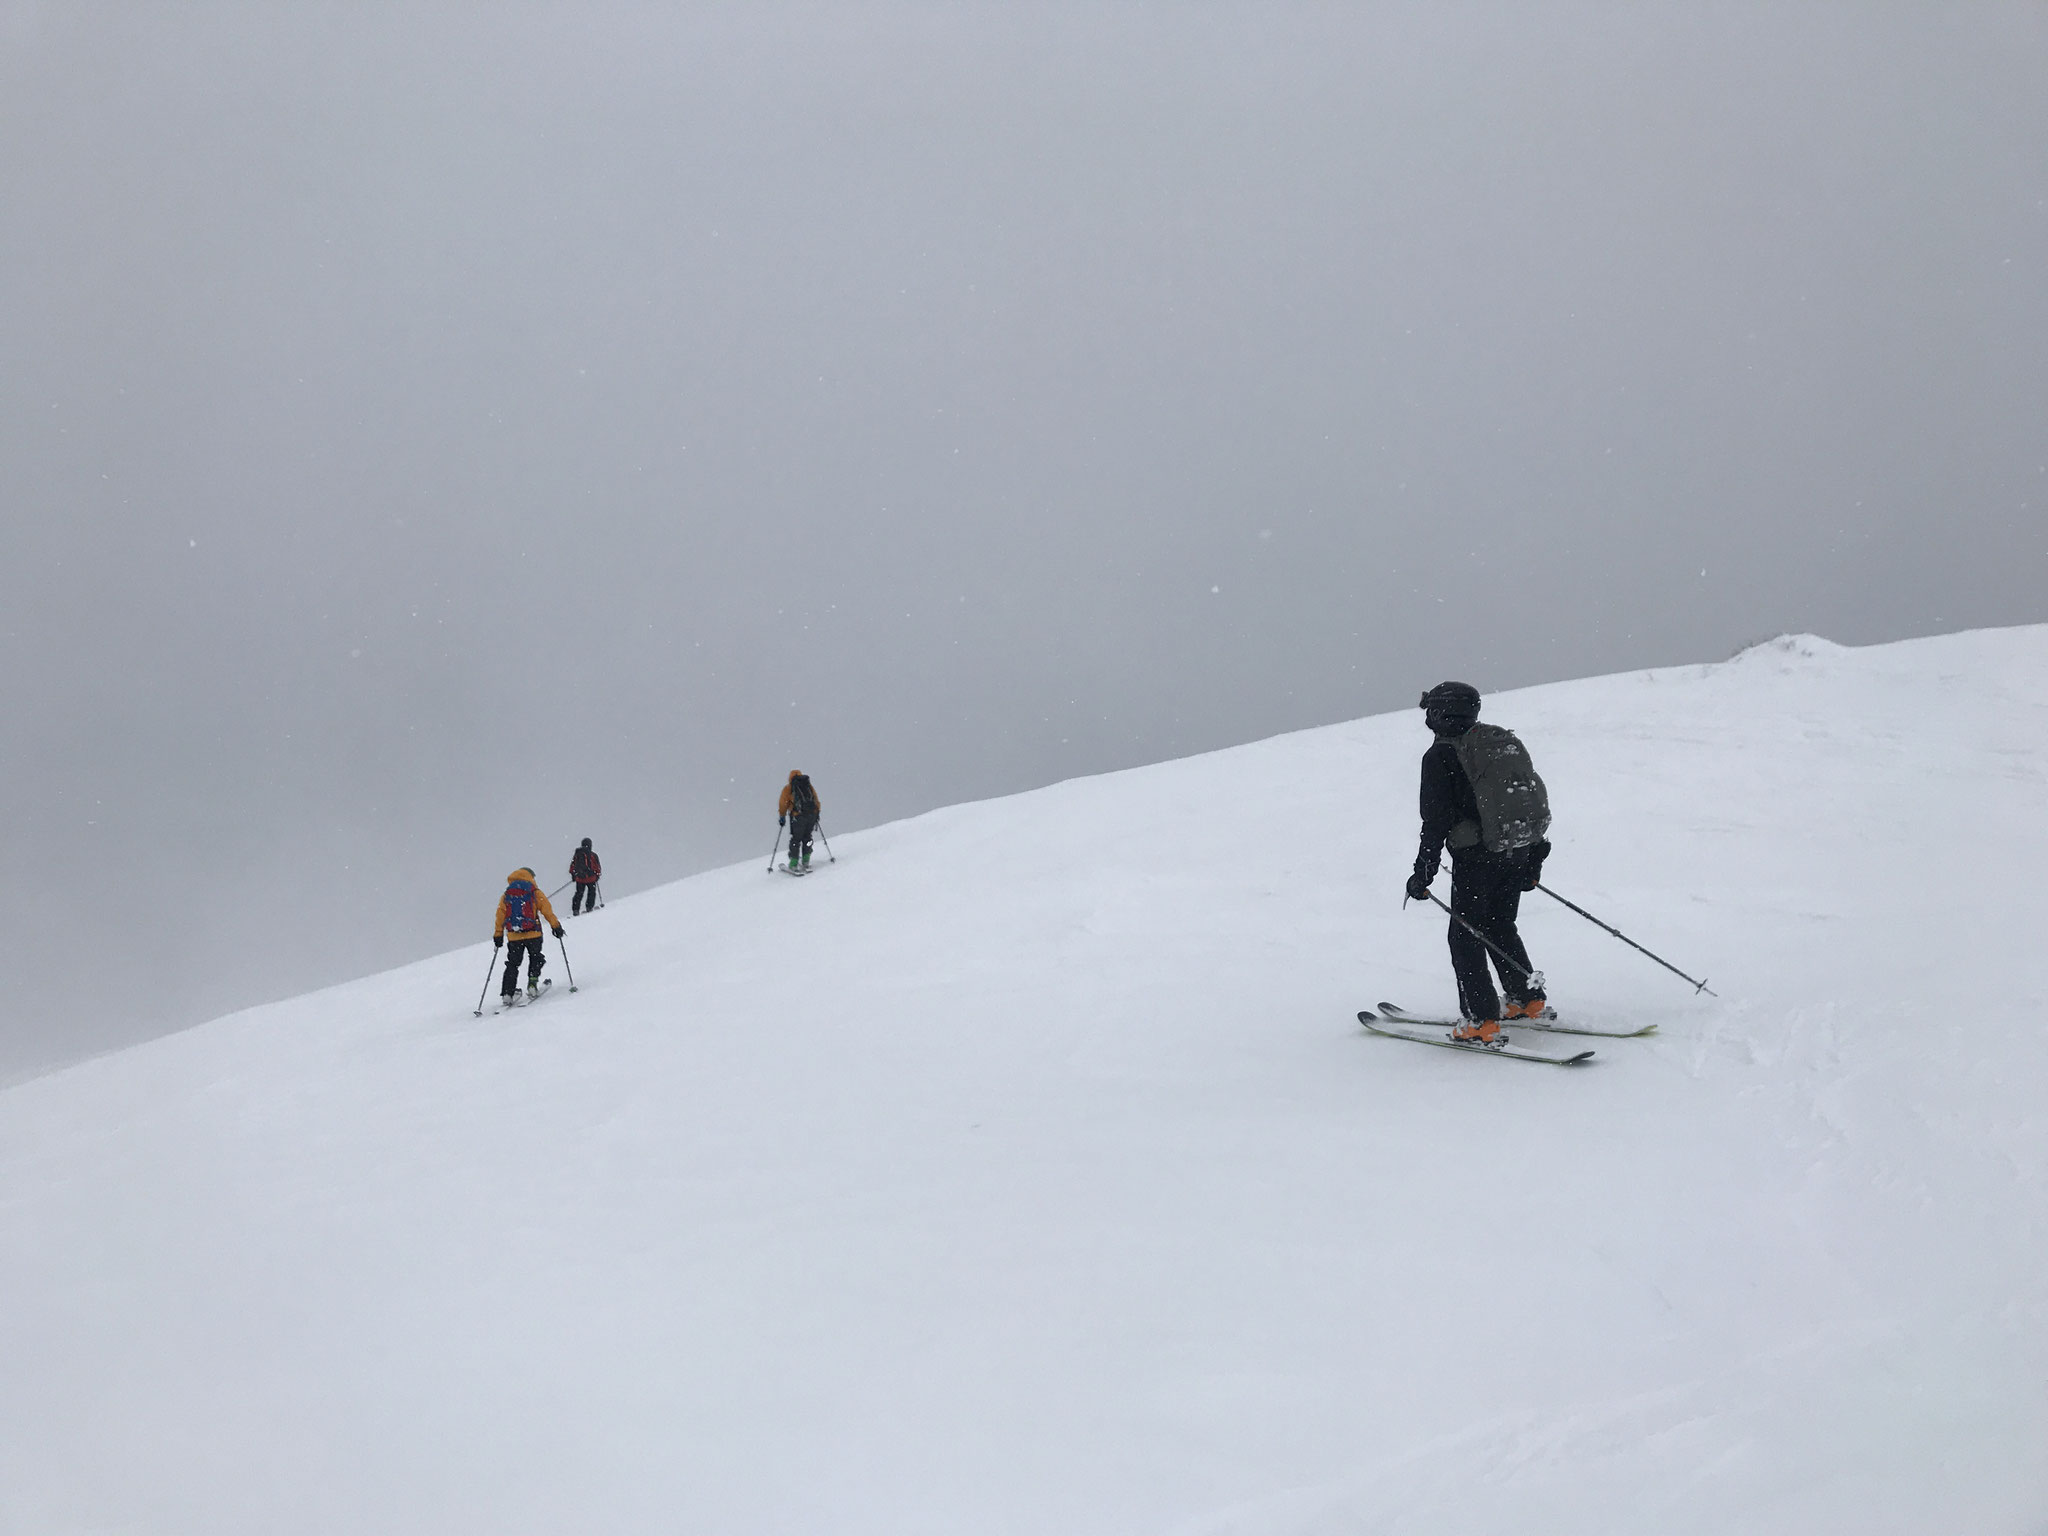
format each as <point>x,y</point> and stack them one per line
<point>1027,1172</point>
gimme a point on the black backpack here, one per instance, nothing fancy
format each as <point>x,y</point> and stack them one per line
<point>803,800</point>
<point>1514,807</point>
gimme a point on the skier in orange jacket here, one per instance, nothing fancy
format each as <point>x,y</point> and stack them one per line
<point>520,911</point>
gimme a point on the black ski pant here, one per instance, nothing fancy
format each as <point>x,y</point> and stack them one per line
<point>1486,890</point>
<point>586,895</point>
<point>535,951</point>
<point>800,829</point>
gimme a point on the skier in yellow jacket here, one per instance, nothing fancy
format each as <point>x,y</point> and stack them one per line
<point>520,911</point>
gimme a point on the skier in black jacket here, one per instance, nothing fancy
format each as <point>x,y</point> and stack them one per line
<point>800,806</point>
<point>1486,886</point>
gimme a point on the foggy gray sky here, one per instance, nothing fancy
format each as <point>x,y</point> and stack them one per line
<point>430,435</point>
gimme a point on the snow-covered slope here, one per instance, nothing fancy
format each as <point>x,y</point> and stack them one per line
<point>1027,1172</point>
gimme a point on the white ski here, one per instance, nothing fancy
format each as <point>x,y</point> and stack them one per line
<point>1549,1024</point>
<point>520,1000</point>
<point>1393,1031</point>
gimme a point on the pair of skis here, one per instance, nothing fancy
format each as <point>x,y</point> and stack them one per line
<point>516,1000</point>
<point>1396,1023</point>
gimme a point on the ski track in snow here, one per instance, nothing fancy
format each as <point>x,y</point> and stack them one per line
<point>1073,1199</point>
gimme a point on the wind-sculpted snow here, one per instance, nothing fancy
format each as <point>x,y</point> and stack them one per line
<point>1026,1171</point>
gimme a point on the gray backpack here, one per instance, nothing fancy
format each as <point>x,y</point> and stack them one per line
<point>1514,807</point>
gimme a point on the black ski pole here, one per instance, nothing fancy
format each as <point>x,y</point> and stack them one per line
<point>563,945</point>
<point>598,891</point>
<point>1698,986</point>
<point>560,888</point>
<point>487,982</point>
<point>773,846</point>
<point>1534,978</point>
<point>830,856</point>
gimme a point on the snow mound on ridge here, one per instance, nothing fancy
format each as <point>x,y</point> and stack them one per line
<point>1804,647</point>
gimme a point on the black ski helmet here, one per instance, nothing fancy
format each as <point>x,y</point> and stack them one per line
<point>1450,708</point>
<point>586,842</point>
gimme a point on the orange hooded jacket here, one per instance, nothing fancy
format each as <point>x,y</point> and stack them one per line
<point>540,898</point>
<point>782,805</point>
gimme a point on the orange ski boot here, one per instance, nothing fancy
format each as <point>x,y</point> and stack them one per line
<point>1478,1032</point>
<point>1535,1008</point>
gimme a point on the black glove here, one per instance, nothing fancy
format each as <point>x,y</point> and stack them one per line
<point>780,820</point>
<point>558,933</point>
<point>497,941</point>
<point>1418,886</point>
<point>1542,852</point>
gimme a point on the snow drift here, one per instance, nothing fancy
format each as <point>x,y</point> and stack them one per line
<point>1026,1171</point>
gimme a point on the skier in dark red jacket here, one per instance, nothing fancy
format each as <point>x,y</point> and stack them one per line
<point>585,870</point>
